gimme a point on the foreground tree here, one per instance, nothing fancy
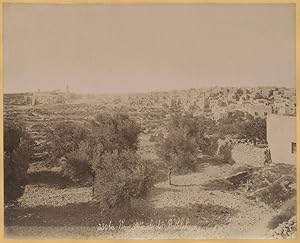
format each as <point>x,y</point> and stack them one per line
<point>120,174</point>
<point>187,137</point>
<point>18,151</point>
<point>103,152</point>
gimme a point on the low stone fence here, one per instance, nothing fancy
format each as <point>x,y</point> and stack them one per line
<point>244,153</point>
<point>248,154</point>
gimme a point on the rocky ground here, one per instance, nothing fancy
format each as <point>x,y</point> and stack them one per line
<point>193,207</point>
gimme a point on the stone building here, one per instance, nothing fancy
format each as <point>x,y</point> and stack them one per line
<point>281,137</point>
<point>259,110</point>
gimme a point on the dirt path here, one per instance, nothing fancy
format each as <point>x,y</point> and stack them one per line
<point>244,218</point>
<point>212,213</point>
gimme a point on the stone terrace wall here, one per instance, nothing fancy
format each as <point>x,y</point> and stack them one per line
<point>248,154</point>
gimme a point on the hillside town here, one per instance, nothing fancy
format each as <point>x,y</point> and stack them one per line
<point>238,154</point>
<point>153,109</point>
<point>215,102</point>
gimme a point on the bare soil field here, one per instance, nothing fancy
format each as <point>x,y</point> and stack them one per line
<point>188,208</point>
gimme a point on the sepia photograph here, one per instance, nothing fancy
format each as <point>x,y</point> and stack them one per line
<point>149,121</point>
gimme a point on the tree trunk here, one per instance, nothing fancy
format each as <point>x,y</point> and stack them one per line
<point>169,175</point>
<point>93,189</point>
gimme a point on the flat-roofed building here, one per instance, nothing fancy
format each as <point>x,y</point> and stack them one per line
<point>259,110</point>
<point>281,137</point>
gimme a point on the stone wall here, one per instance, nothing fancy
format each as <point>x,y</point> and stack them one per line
<point>248,154</point>
<point>243,153</point>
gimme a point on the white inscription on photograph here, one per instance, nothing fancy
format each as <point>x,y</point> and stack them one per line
<point>149,121</point>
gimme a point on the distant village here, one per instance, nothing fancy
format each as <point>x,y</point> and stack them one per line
<point>276,105</point>
<point>214,102</point>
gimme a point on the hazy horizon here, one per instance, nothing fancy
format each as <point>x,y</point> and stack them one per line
<point>147,48</point>
<point>149,91</point>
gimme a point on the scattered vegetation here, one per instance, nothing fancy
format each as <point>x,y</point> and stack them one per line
<point>18,150</point>
<point>225,152</point>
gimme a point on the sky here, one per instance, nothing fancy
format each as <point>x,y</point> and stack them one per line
<point>138,48</point>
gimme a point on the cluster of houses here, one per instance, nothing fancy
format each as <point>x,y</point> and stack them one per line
<point>39,97</point>
<point>216,102</point>
<point>276,105</point>
<point>48,97</point>
<point>259,102</point>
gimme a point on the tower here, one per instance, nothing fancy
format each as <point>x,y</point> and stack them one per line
<point>67,92</point>
<point>67,87</point>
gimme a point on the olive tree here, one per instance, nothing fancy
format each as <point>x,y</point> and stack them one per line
<point>18,151</point>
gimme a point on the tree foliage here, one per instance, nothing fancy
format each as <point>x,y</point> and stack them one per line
<point>114,132</point>
<point>120,172</point>
<point>65,137</point>
<point>78,166</point>
<point>120,176</point>
<point>232,124</point>
<point>254,129</point>
<point>104,149</point>
<point>225,152</point>
<point>179,150</point>
<point>18,150</point>
<point>242,125</point>
<point>187,136</point>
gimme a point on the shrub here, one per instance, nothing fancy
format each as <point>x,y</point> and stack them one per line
<point>225,152</point>
<point>211,146</point>
<point>18,150</point>
<point>267,157</point>
<point>78,164</point>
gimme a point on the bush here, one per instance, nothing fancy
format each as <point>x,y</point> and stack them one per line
<point>211,146</point>
<point>78,164</point>
<point>225,152</point>
<point>18,150</point>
